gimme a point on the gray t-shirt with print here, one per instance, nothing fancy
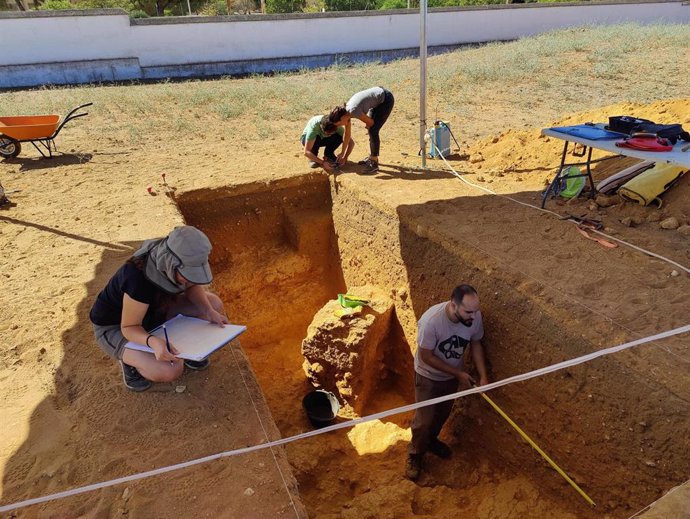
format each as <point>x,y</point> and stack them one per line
<point>447,339</point>
<point>360,103</point>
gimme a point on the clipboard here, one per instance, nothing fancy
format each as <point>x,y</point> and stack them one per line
<point>194,338</point>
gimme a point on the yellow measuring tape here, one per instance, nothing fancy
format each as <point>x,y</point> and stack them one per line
<point>536,448</point>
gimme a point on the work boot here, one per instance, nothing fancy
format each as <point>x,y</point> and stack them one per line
<point>440,449</point>
<point>197,365</point>
<point>413,467</point>
<point>133,379</point>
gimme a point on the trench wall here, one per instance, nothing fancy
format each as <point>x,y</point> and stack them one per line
<point>614,429</point>
<point>605,412</point>
<point>67,47</point>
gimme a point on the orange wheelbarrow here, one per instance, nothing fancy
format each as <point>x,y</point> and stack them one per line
<point>41,129</point>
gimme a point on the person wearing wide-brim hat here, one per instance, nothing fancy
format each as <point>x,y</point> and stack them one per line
<point>165,277</point>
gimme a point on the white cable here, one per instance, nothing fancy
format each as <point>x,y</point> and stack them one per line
<point>350,423</point>
<point>261,422</point>
<point>461,178</point>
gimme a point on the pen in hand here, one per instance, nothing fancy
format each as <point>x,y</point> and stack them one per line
<point>167,341</point>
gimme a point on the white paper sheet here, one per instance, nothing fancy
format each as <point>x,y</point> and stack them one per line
<point>194,338</point>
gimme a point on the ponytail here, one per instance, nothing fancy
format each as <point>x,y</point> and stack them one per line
<point>337,113</point>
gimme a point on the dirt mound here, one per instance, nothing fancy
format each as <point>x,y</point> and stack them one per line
<point>517,160</point>
<point>521,151</point>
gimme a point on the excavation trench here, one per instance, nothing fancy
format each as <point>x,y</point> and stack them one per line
<point>284,250</point>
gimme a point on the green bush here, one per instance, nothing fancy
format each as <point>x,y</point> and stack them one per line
<point>470,2</point>
<point>105,4</point>
<point>352,5</point>
<point>414,4</point>
<point>58,5</point>
<point>214,8</point>
<point>285,6</point>
<point>394,4</point>
<point>314,6</point>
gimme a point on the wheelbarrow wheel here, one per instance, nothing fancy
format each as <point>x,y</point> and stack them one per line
<point>9,147</point>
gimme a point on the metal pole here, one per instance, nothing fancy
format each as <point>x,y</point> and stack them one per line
<point>189,8</point>
<point>422,79</point>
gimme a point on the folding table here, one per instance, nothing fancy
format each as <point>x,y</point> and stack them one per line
<point>675,156</point>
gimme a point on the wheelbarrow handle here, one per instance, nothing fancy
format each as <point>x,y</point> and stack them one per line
<point>69,117</point>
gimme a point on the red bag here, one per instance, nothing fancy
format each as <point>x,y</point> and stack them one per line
<point>646,143</point>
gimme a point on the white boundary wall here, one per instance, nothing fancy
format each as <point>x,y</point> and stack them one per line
<point>108,39</point>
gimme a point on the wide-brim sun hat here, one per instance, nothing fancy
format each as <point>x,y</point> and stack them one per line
<point>192,247</point>
<point>184,251</point>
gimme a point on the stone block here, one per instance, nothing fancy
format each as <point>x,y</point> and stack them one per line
<point>346,355</point>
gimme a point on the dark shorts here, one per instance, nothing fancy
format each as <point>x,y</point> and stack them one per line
<point>110,340</point>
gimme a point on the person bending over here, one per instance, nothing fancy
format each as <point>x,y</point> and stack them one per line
<point>444,331</point>
<point>318,133</point>
<point>372,107</point>
<point>165,277</point>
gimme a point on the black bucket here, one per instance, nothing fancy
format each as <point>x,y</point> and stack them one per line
<point>321,407</point>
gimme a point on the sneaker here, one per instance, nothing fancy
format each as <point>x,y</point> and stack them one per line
<point>133,379</point>
<point>313,165</point>
<point>413,467</point>
<point>440,449</point>
<point>364,161</point>
<point>197,365</point>
<point>371,166</point>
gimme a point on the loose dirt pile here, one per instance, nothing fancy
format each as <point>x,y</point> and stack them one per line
<point>531,159</point>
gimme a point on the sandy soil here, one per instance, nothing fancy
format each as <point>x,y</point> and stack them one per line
<point>68,422</point>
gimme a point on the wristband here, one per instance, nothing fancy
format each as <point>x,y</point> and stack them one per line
<point>147,339</point>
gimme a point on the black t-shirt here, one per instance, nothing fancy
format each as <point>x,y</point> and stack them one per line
<point>107,310</point>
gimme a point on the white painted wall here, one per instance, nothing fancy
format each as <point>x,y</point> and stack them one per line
<point>99,36</point>
<point>69,38</point>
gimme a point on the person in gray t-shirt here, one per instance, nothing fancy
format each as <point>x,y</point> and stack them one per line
<point>372,107</point>
<point>444,332</point>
